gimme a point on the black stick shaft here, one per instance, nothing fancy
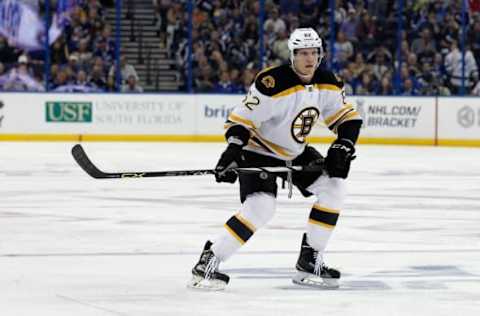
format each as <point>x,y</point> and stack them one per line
<point>87,165</point>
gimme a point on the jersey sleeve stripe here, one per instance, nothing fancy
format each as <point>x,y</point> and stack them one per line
<point>256,143</point>
<point>333,118</point>
<point>352,115</point>
<point>238,119</point>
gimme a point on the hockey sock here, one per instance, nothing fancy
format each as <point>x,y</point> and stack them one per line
<point>256,211</point>
<point>321,222</point>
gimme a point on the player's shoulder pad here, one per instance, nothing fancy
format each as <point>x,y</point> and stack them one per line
<point>274,80</point>
<point>323,76</point>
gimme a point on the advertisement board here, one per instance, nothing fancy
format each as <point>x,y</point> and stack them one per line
<point>201,117</point>
<point>98,114</point>
<point>213,111</point>
<point>459,121</point>
<point>391,120</point>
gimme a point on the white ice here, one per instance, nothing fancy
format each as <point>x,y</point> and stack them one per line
<point>407,242</point>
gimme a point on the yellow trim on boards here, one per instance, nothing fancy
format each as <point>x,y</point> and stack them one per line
<point>459,142</point>
<point>111,138</point>
<point>221,138</point>
<point>40,137</point>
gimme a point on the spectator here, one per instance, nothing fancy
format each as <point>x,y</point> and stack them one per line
<point>59,51</point>
<point>73,62</point>
<point>62,79</point>
<point>386,87</point>
<point>247,79</point>
<point>224,85</point>
<point>358,66</point>
<point>349,25</point>
<point>126,70</point>
<point>131,85</point>
<point>454,68</point>
<point>348,81</point>
<point>23,67</point>
<point>275,22</point>
<point>308,12</point>
<point>380,67</point>
<point>367,85</point>
<point>408,88</point>
<point>424,42</point>
<point>343,47</point>
<point>474,40</point>
<point>81,79</point>
<point>280,48</point>
<point>289,6</point>
<point>204,81</point>
<point>425,80</point>
<point>235,78</point>
<point>97,77</point>
<point>83,53</point>
<point>7,52</point>
<point>412,65</point>
<point>476,89</point>
<point>366,32</point>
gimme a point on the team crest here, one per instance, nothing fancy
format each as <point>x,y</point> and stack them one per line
<point>302,125</point>
<point>268,81</point>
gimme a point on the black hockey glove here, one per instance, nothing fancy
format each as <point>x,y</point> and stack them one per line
<point>231,158</point>
<point>339,156</point>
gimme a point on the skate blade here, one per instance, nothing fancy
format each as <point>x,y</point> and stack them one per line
<point>199,283</point>
<point>310,280</point>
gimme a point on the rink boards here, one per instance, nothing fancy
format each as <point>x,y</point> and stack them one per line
<point>453,121</point>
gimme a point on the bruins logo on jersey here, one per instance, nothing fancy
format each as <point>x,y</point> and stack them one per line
<point>302,124</point>
<point>268,82</point>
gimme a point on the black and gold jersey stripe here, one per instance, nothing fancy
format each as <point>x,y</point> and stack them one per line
<point>282,81</point>
<point>346,113</point>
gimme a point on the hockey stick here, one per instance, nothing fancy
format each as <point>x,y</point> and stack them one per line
<point>87,165</point>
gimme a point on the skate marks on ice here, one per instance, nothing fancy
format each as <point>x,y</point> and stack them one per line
<point>426,277</point>
<point>90,305</point>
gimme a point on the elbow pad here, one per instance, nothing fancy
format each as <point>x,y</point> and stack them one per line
<point>237,134</point>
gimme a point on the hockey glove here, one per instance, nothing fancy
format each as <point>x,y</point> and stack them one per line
<point>339,156</point>
<point>231,158</point>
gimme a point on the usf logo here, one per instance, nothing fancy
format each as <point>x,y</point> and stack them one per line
<point>77,112</point>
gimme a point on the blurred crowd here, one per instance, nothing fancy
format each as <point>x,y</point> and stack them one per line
<point>226,43</point>
<point>226,52</point>
<point>82,59</point>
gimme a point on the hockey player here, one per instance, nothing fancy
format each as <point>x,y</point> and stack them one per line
<point>269,129</point>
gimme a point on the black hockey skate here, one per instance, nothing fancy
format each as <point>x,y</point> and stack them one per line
<point>205,274</point>
<point>311,271</point>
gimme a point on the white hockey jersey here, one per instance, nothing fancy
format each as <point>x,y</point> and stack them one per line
<point>280,111</point>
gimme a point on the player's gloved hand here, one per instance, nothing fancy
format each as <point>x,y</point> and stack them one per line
<point>317,161</point>
<point>231,158</point>
<point>339,156</point>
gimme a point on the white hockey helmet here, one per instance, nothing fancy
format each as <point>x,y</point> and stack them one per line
<point>305,38</point>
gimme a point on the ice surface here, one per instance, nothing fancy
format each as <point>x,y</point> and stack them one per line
<point>408,241</point>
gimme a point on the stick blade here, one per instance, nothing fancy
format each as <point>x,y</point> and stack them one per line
<point>86,164</point>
